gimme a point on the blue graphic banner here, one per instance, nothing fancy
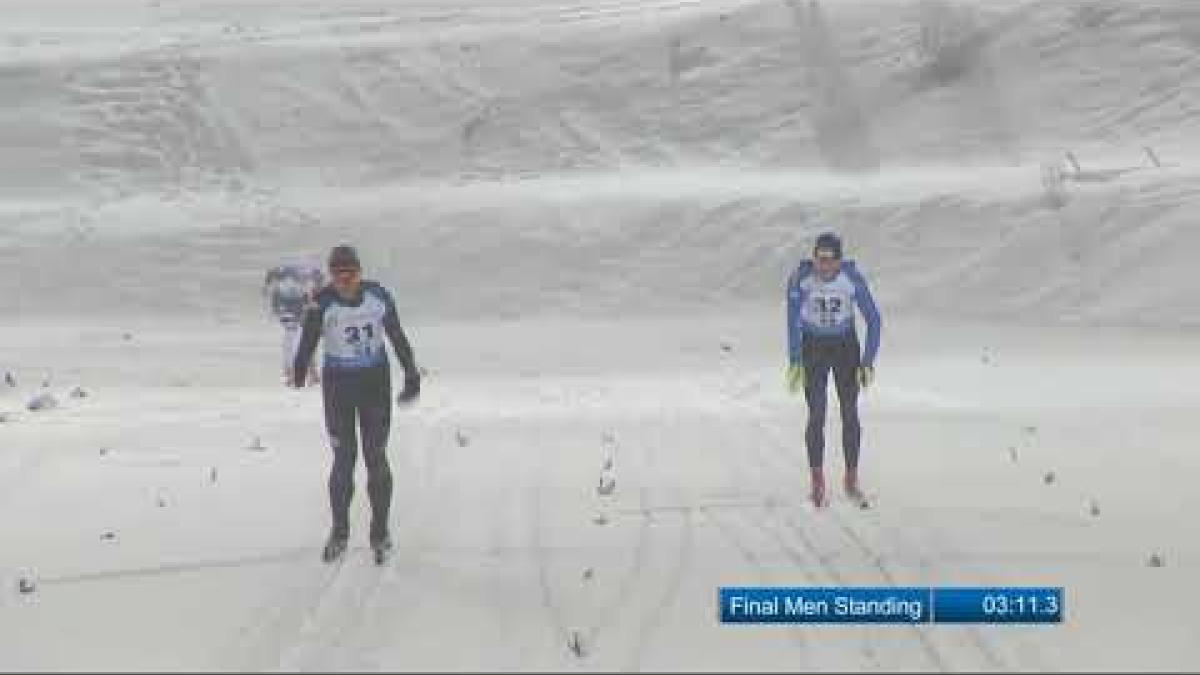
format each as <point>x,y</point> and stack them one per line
<point>889,605</point>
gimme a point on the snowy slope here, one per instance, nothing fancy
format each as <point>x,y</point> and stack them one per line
<point>234,131</point>
<point>586,211</point>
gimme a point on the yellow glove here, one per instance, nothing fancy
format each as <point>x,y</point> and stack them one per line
<point>866,375</point>
<point>795,378</point>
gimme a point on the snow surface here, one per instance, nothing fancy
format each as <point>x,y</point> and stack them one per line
<point>586,212</point>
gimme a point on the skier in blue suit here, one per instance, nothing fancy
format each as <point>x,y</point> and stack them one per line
<point>822,337</point>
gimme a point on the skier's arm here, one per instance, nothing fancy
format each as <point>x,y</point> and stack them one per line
<point>266,290</point>
<point>795,301</point>
<point>866,305</point>
<point>403,349</point>
<point>316,282</point>
<point>310,333</point>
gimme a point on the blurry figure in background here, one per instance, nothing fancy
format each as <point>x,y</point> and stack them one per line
<point>290,288</point>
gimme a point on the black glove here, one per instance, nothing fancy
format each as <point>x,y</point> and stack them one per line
<point>412,389</point>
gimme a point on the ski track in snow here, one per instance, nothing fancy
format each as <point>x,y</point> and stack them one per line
<point>666,534</point>
<point>347,599</point>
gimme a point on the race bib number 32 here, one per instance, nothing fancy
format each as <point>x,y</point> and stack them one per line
<point>829,310</point>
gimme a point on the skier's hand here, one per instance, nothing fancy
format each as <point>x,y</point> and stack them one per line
<point>411,391</point>
<point>865,375</point>
<point>795,378</point>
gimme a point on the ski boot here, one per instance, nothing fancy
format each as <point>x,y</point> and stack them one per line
<point>854,492</point>
<point>817,479</point>
<point>381,547</point>
<point>335,546</point>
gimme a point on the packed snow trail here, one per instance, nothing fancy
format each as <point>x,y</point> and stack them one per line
<point>502,559</point>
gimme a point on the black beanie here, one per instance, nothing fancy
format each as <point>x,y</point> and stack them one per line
<point>829,241</point>
<point>344,256</point>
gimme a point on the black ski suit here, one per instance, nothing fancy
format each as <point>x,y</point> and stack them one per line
<point>356,382</point>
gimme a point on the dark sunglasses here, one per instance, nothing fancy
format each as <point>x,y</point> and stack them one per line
<point>339,271</point>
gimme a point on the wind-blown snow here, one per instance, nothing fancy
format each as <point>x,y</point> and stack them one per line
<point>586,212</point>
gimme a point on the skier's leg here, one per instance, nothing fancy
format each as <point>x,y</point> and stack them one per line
<point>816,379</point>
<point>314,366</point>
<point>375,416</point>
<point>314,370</point>
<point>291,339</point>
<point>339,423</point>
<point>846,381</point>
<point>816,368</point>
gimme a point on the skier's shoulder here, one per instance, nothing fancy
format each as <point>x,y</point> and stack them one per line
<point>802,271</point>
<point>796,286</point>
<point>376,289</point>
<point>852,271</point>
<point>324,297</point>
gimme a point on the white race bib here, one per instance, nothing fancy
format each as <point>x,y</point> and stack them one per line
<point>829,304</point>
<point>354,336</point>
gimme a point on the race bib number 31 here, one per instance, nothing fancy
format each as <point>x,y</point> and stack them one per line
<point>359,340</point>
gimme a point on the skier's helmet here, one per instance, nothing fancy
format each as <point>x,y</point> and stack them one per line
<point>344,257</point>
<point>828,243</point>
